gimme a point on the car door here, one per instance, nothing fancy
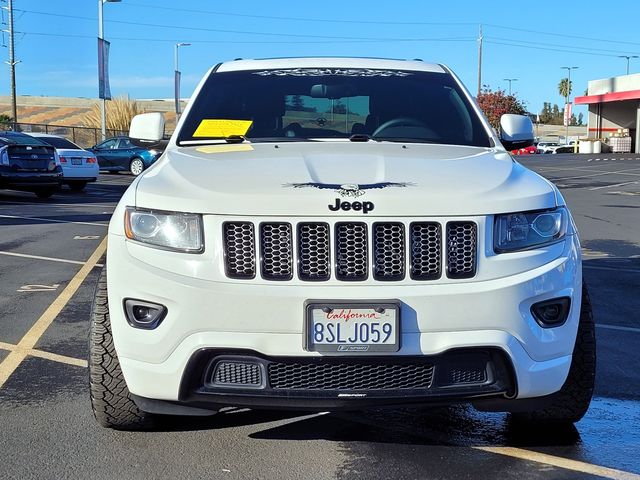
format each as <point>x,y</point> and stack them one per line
<point>124,152</point>
<point>105,153</point>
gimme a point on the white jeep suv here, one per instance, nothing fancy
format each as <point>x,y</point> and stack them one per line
<point>339,233</point>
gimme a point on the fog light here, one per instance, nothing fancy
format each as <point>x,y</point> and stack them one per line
<point>146,315</point>
<point>551,313</point>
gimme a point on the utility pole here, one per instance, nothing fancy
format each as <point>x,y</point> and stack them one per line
<point>12,65</point>
<point>628,57</point>
<point>480,61</point>
<point>510,80</point>
<point>567,107</point>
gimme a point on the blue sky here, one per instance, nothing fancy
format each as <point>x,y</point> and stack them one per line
<point>529,41</point>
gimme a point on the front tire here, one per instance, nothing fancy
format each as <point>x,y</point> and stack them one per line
<point>136,166</point>
<point>111,401</point>
<point>571,403</point>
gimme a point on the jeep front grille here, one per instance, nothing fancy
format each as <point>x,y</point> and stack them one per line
<point>276,251</point>
<point>351,251</point>
<point>461,249</point>
<point>239,249</point>
<point>316,251</point>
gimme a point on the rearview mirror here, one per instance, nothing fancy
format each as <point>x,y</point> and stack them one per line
<point>332,92</point>
<point>516,131</point>
<point>147,127</point>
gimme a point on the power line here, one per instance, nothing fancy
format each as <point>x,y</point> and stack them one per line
<point>563,35</point>
<point>536,44</point>
<point>284,42</point>
<point>295,19</point>
<point>217,30</point>
<point>550,49</point>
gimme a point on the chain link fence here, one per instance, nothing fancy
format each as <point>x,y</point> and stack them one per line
<point>84,136</point>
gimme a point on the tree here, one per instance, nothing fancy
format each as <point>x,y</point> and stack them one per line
<point>5,121</point>
<point>297,104</point>
<point>546,116</point>
<point>120,111</point>
<point>565,87</point>
<point>580,119</point>
<point>495,104</point>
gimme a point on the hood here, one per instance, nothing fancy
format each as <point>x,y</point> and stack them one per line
<point>337,178</point>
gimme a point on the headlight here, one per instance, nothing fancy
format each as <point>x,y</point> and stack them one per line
<point>521,231</point>
<point>173,231</point>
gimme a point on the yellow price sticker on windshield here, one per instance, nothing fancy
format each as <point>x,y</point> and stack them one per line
<point>222,128</point>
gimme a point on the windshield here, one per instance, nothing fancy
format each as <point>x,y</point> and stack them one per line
<point>60,142</point>
<point>300,104</point>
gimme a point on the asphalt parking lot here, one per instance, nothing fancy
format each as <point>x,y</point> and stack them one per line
<point>50,257</point>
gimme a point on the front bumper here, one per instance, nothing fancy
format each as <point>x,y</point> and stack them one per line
<point>267,322</point>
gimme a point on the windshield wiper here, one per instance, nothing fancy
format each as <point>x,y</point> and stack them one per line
<point>359,137</point>
<point>214,140</point>
<point>403,140</point>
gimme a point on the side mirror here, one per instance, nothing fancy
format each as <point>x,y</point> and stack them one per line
<point>147,127</point>
<point>516,131</point>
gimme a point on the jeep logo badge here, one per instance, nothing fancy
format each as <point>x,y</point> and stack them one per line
<point>364,207</point>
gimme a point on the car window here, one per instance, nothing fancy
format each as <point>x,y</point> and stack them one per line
<point>314,103</point>
<point>60,142</point>
<point>125,143</point>
<point>109,143</point>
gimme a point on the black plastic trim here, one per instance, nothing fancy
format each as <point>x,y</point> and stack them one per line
<point>301,276</point>
<point>440,252</point>
<point>226,255</point>
<point>501,383</point>
<point>388,278</point>
<point>264,274</point>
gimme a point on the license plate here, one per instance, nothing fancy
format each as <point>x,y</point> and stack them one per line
<point>353,327</point>
<point>76,161</point>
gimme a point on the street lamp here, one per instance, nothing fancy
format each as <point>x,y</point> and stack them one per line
<point>103,102</point>
<point>510,80</point>
<point>177,78</point>
<point>566,107</point>
<point>628,57</point>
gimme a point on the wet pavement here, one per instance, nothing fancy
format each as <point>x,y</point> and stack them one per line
<point>47,429</point>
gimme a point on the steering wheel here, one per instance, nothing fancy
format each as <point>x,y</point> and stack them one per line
<point>396,122</point>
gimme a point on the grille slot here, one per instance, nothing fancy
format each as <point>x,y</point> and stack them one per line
<point>239,250</point>
<point>276,251</point>
<point>238,374</point>
<point>349,376</point>
<point>314,260</point>
<point>426,251</point>
<point>351,251</point>
<point>461,249</point>
<point>388,251</point>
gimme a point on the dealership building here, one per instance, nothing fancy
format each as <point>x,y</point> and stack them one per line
<point>614,109</point>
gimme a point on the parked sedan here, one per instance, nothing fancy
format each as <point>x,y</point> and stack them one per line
<point>28,164</point>
<point>118,154</point>
<point>78,165</point>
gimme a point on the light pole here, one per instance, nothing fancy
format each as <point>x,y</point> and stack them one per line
<point>628,57</point>
<point>177,78</point>
<point>103,101</point>
<point>566,107</point>
<point>510,80</point>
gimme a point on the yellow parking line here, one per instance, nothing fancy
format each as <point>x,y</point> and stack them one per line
<point>26,344</point>
<point>560,462</point>
<point>78,362</point>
